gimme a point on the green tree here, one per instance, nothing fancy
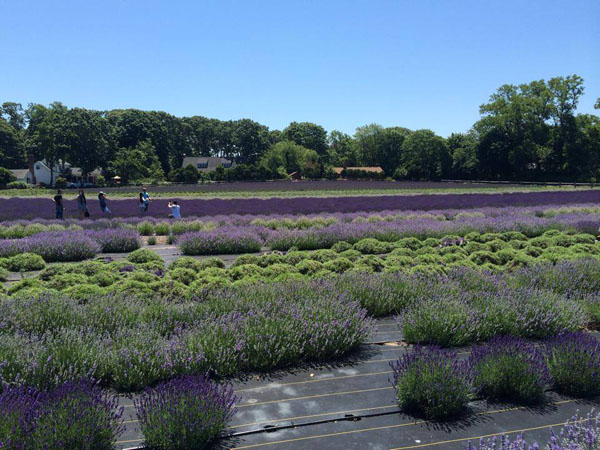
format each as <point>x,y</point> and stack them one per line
<point>463,150</point>
<point>6,176</point>
<point>425,155</point>
<point>14,114</point>
<point>288,156</point>
<point>136,163</point>
<point>343,149</point>
<point>250,140</point>
<point>308,135</point>
<point>48,134</point>
<point>380,146</point>
<point>12,151</point>
<point>90,139</point>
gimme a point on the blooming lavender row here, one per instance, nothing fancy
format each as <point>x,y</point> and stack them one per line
<point>130,344</point>
<point>390,231</point>
<point>187,412</point>
<point>232,240</point>
<point>75,415</point>
<point>275,219</point>
<point>16,208</point>
<point>71,245</point>
<point>437,384</point>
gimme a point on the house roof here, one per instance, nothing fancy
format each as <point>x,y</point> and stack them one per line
<point>212,162</point>
<point>20,173</point>
<point>374,169</point>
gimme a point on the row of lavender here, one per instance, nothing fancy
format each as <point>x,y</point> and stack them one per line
<point>192,412</point>
<point>75,245</point>
<point>130,343</point>
<point>227,239</point>
<point>277,220</point>
<point>189,412</point>
<point>30,208</point>
<point>62,246</point>
<point>438,384</point>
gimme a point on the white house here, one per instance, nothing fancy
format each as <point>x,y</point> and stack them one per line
<point>39,173</point>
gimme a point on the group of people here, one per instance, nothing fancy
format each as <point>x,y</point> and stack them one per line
<point>82,208</point>
<point>83,212</point>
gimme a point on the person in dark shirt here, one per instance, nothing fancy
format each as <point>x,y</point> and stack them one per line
<point>82,205</point>
<point>102,200</point>
<point>58,201</point>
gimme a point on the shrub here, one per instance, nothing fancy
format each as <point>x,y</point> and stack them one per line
<point>245,271</point>
<point>338,265</point>
<point>186,262</point>
<point>54,246</point>
<point>3,274</point>
<point>188,412</point>
<point>162,229</point>
<point>17,185</point>
<point>213,262</point>
<point>143,255</point>
<point>277,270</point>
<point>341,246</point>
<point>183,275</point>
<point>509,368</point>
<point>25,262</point>
<point>432,383</point>
<point>574,363</point>
<point>446,321</point>
<point>309,267</point>
<point>223,241</point>
<point>372,262</point>
<point>246,259</point>
<point>152,240</point>
<point>74,415</point>
<point>323,255</point>
<point>145,228</point>
<point>66,280</point>
<point>372,246</point>
<point>350,254</point>
<point>117,240</point>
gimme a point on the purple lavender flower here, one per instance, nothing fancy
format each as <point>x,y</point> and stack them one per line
<point>187,412</point>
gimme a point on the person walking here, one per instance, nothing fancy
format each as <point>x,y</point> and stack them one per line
<point>144,200</point>
<point>82,205</point>
<point>175,210</point>
<point>102,201</point>
<point>58,201</point>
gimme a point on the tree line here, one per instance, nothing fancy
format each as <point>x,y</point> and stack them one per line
<point>527,132</point>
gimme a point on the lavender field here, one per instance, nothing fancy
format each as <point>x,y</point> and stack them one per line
<point>511,279</point>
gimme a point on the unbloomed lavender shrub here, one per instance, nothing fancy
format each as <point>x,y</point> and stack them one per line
<point>573,361</point>
<point>509,368</point>
<point>432,382</point>
<point>184,413</point>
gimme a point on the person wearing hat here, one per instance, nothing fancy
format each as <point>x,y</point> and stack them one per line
<point>102,200</point>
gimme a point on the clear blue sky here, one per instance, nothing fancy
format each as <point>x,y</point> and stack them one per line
<point>339,63</point>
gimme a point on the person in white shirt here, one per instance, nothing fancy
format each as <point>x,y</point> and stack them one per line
<point>175,211</point>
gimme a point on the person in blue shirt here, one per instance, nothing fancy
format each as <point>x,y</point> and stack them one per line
<point>144,200</point>
<point>175,210</point>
